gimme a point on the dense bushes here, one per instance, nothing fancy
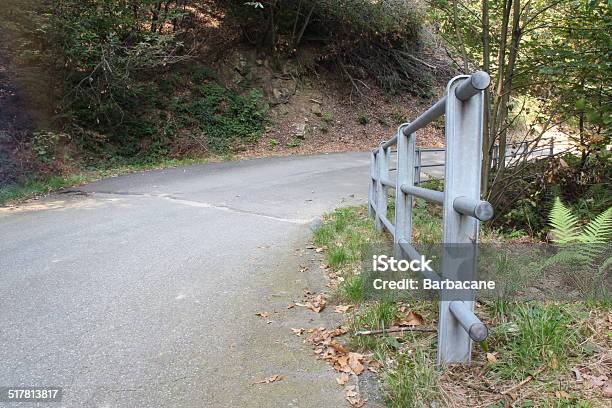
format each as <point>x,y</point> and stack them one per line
<point>523,202</point>
<point>126,88</point>
<point>360,38</point>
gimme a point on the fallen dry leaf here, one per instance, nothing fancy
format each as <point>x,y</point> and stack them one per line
<point>316,304</point>
<point>412,319</point>
<point>338,347</point>
<point>354,362</point>
<point>298,332</point>
<point>491,358</point>
<point>262,314</point>
<point>291,306</point>
<point>356,402</point>
<point>343,379</point>
<point>606,391</point>
<point>342,308</point>
<point>596,381</point>
<point>269,380</point>
<point>562,394</point>
<point>318,250</point>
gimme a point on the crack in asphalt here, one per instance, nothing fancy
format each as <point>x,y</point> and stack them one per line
<point>199,204</point>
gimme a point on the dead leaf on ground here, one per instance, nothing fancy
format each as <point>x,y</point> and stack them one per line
<point>354,362</point>
<point>356,402</point>
<point>298,332</point>
<point>262,314</point>
<point>562,394</point>
<point>291,306</point>
<point>491,358</point>
<point>269,380</point>
<point>595,381</point>
<point>338,347</point>
<point>342,308</point>
<point>606,391</point>
<point>412,319</point>
<point>316,304</point>
<point>318,250</point>
<point>343,379</point>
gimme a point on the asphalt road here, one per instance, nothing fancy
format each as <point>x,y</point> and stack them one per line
<point>141,290</point>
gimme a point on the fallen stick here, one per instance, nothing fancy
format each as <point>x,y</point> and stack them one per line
<point>519,385</point>
<point>396,330</point>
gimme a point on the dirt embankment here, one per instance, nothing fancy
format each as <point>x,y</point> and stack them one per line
<point>318,111</point>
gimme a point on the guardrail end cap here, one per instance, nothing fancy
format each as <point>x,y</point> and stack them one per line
<point>480,80</point>
<point>478,332</point>
<point>484,211</point>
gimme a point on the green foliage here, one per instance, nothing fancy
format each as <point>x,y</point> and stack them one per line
<point>537,337</point>
<point>226,119</point>
<point>563,222</point>
<point>295,142</point>
<point>352,288</point>
<point>45,144</point>
<point>414,382</point>
<point>327,117</point>
<point>35,187</point>
<point>369,40</point>
<point>525,202</point>
<point>570,58</point>
<point>104,49</point>
<point>581,249</point>
<point>377,315</point>
<point>363,119</point>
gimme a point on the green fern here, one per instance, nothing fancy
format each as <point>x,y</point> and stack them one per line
<point>563,222</point>
<point>581,249</point>
<point>599,230</point>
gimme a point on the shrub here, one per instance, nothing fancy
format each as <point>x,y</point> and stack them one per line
<point>523,200</point>
<point>364,39</point>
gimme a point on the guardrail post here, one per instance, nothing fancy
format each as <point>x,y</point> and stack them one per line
<point>417,175</point>
<point>552,147</point>
<point>382,170</point>
<point>372,186</point>
<point>464,124</point>
<point>405,176</point>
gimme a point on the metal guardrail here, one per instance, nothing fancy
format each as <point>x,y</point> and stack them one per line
<point>463,107</point>
<point>513,151</point>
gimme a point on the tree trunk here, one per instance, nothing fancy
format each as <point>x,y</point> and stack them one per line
<point>486,138</point>
<point>507,84</point>
<point>460,37</point>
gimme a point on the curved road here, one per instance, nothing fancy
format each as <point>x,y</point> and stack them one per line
<point>141,290</point>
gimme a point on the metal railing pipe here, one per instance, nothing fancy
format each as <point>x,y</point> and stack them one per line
<point>427,117</point>
<point>478,209</point>
<point>387,182</point>
<point>412,253</point>
<point>476,329</point>
<point>424,193</point>
<point>387,224</point>
<point>476,83</point>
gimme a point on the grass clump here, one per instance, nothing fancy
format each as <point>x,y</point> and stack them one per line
<point>538,337</point>
<point>34,187</point>
<point>344,233</point>
<point>413,382</point>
